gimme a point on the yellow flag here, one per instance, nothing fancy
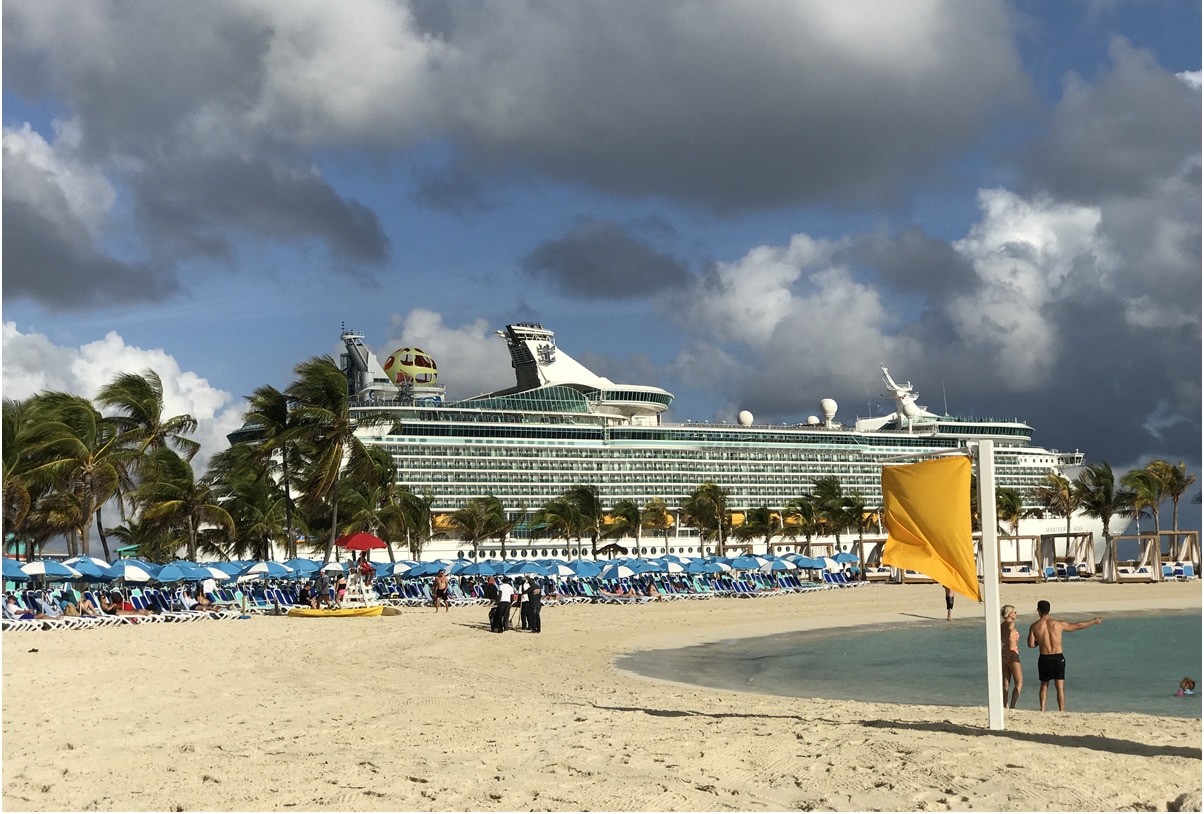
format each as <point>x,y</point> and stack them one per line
<point>927,507</point>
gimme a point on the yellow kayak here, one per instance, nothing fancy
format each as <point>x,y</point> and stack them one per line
<point>335,613</point>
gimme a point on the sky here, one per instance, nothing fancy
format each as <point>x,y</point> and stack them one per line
<point>754,205</point>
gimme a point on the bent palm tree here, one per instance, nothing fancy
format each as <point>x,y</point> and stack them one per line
<point>1098,497</point>
<point>323,419</point>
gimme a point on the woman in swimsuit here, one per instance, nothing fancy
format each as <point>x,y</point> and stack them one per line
<point>1012,670</point>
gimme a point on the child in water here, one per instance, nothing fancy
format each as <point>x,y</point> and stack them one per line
<point>1186,687</point>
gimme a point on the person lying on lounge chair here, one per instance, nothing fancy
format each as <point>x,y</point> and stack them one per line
<point>122,608</point>
<point>86,608</point>
<point>200,603</point>
<point>14,611</point>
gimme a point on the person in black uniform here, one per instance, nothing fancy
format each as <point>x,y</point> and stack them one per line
<point>533,604</point>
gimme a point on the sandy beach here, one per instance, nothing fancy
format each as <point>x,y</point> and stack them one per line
<point>426,712</point>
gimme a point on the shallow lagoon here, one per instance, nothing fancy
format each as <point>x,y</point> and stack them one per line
<point>1131,663</point>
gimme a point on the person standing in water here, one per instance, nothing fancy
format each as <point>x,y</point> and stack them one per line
<point>1046,633</point>
<point>1013,673</point>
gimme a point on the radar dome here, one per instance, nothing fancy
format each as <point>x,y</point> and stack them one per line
<point>812,420</point>
<point>745,418</point>
<point>828,408</point>
<point>411,365</point>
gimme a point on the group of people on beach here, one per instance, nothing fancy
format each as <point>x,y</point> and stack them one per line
<point>1046,635</point>
<point>526,595</point>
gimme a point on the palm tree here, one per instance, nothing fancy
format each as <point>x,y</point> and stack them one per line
<point>1009,507</point>
<point>806,516</point>
<point>707,510</point>
<point>269,411</point>
<point>322,411</point>
<point>625,521</point>
<point>655,516</point>
<point>171,494</point>
<point>1175,482</point>
<point>832,505</point>
<point>474,522</point>
<point>1098,497</point>
<point>500,525</point>
<point>760,523</point>
<point>857,511</point>
<point>589,504</point>
<point>243,486</point>
<point>407,515</point>
<point>138,398</point>
<point>561,517</point>
<point>15,449</point>
<point>1146,489</point>
<point>78,453</point>
<point>1058,495</point>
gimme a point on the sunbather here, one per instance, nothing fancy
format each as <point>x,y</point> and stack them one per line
<point>15,611</point>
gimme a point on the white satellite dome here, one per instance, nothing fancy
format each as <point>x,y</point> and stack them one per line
<point>745,418</point>
<point>812,420</point>
<point>828,408</point>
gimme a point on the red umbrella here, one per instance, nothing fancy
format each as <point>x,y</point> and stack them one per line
<point>360,541</point>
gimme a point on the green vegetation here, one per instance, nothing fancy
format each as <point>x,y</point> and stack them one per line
<point>307,478</point>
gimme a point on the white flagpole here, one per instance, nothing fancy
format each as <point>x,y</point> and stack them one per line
<point>990,578</point>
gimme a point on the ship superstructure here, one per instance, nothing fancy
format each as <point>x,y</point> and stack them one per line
<point>561,424</point>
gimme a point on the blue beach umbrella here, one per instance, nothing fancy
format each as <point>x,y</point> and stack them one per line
<point>618,571</point>
<point>529,567</point>
<point>50,570</point>
<point>89,570</point>
<point>846,556</point>
<point>96,561</point>
<point>132,571</point>
<point>779,565</point>
<point>303,566</point>
<point>13,572</point>
<point>426,569</point>
<point>747,563</point>
<point>232,568</point>
<point>586,568</point>
<point>559,568</point>
<point>701,567</point>
<point>265,569</point>
<point>175,573</point>
<point>484,568</point>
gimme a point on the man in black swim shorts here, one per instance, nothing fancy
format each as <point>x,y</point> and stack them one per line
<point>440,591</point>
<point>1051,668</point>
<point>1046,633</point>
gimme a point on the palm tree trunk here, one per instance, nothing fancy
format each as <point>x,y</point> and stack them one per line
<point>100,532</point>
<point>290,547</point>
<point>334,521</point>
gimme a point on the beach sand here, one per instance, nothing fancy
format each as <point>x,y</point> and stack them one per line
<point>432,712</point>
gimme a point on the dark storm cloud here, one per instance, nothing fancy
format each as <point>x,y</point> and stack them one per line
<point>202,203</point>
<point>603,259</point>
<point>63,271</point>
<point>1113,136</point>
<point>912,261</point>
<point>764,104</point>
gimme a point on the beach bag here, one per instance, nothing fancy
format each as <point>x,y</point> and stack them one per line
<point>495,619</point>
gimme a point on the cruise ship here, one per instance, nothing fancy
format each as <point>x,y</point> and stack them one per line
<point>561,424</point>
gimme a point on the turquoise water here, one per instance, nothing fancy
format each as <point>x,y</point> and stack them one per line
<point>1130,663</point>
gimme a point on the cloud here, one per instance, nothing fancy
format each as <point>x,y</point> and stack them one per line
<point>1024,254</point>
<point>56,207</point>
<point>604,260</point>
<point>479,361</point>
<point>33,364</point>
<point>1133,124</point>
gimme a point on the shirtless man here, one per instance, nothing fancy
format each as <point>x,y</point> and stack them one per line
<point>1046,633</point>
<point>441,591</point>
